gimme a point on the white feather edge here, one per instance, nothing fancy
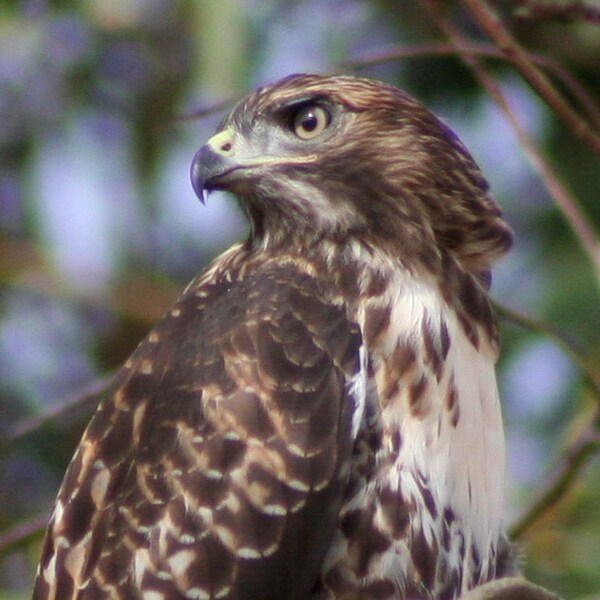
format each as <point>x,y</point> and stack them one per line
<point>357,392</point>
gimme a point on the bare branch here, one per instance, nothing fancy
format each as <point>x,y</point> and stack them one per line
<point>585,446</point>
<point>81,404</point>
<point>22,533</point>
<point>589,372</point>
<point>202,112</point>
<point>575,458</point>
<point>434,49</point>
<point>550,64</point>
<point>493,26</point>
<point>562,11</point>
<point>578,454</point>
<point>563,198</point>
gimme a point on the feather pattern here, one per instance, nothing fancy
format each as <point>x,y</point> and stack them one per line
<point>317,415</point>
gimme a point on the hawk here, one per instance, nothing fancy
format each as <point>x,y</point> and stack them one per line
<point>317,415</point>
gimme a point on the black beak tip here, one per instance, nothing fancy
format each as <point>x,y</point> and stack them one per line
<point>198,176</point>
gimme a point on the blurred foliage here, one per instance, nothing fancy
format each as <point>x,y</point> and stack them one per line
<point>99,228</point>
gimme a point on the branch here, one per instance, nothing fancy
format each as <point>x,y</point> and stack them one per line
<point>483,50</point>
<point>574,459</point>
<point>578,454</point>
<point>489,21</point>
<point>21,534</point>
<point>562,11</point>
<point>590,374</point>
<point>208,109</point>
<point>562,197</point>
<point>434,49</point>
<point>82,403</point>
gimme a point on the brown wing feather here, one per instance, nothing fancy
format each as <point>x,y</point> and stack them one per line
<point>216,466</point>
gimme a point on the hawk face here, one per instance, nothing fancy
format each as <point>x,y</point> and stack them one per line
<point>314,157</point>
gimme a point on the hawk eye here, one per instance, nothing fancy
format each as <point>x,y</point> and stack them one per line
<point>309,121</point>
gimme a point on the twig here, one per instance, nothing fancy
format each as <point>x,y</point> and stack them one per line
<point>489,21</point>
<point>579,453</point>
<point>590,374</point>
<point>434,49</point>
<point>20,534</point>
<point>563,11</point>
<point>563,198</point>
<point>81,403</point>
<point>574,460</point>
<point>208,109</point>
<point>483,50</point>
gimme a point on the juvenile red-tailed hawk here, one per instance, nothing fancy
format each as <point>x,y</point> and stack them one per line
<point>317,416</point>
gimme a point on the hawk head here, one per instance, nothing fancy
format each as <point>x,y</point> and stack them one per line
<point>313,157</point>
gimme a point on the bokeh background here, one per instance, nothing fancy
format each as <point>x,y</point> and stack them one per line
<point>102,106</point>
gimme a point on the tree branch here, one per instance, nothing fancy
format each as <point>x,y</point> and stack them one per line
<point>581,450</point>
<point>493,26</point>
<point>574,459</point>
<point>590,373</point>
<point>551,65</point>
<point>22,533</point>
<point>569,206</point>
<point>84,401</point>
<point>562,11</point>
<point>206,110</point>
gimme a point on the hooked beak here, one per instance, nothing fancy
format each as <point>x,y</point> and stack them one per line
<point>212,163</point>
<point>226,162</point>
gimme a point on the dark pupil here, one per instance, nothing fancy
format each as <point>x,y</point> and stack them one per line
<point>309,122</point>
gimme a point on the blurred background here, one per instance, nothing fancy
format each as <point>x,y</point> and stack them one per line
<point>102,106</point>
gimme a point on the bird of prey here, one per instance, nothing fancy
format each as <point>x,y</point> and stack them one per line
<point>317,415</point>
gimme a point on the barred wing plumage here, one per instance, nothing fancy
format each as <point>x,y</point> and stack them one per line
<point>217,467</point>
